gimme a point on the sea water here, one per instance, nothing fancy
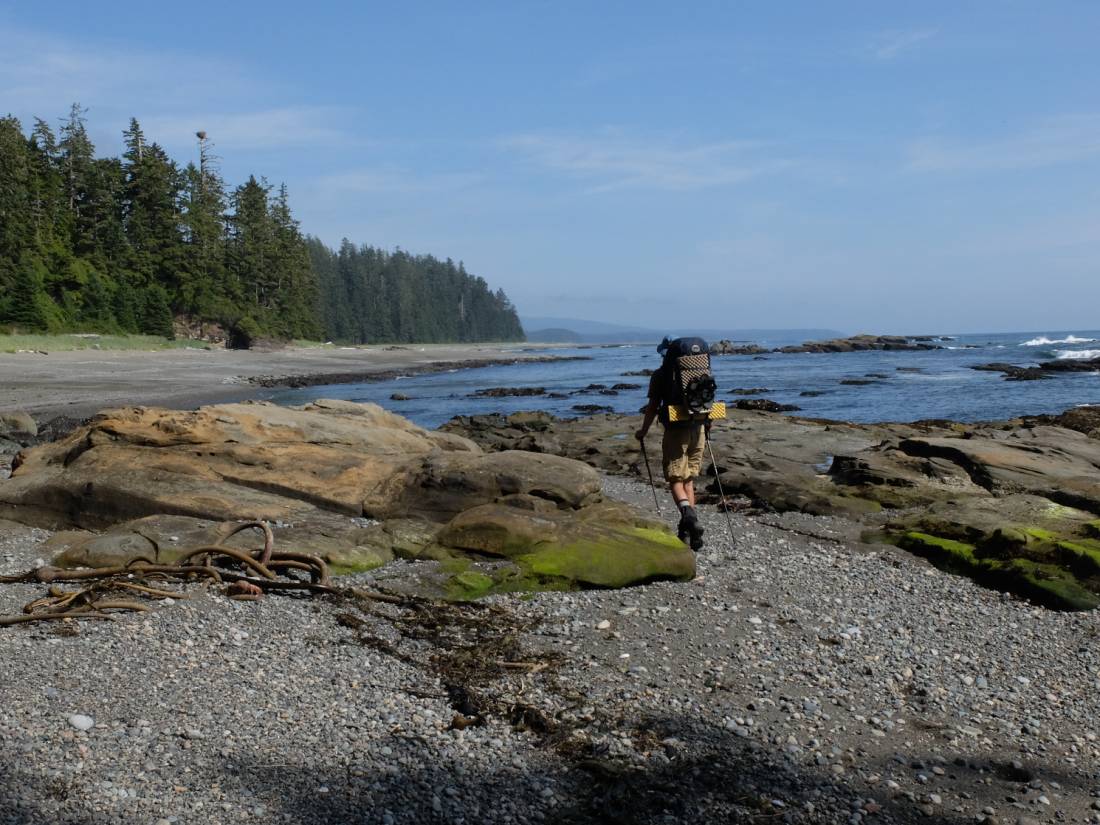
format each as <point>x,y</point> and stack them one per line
<point>906,386</point>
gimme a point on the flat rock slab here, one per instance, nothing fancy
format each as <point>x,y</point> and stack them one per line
<point>351,483</point>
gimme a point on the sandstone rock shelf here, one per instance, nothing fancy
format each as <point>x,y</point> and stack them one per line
<point>350,482</point>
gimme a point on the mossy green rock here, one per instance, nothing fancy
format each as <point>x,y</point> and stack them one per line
<point>1051,585</point>
<point>604,545</point>
<point>613,556</point>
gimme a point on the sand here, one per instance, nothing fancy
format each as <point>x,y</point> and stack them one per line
<point>80,383</point>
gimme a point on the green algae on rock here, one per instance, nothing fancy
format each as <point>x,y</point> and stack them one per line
<point>1047,584</point>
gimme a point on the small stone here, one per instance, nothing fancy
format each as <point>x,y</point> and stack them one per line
<point>604,625</point>
<point>81,722</point>
<point>755,620</point>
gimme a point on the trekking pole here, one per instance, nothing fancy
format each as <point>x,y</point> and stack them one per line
<point>718,480</point>
<point>652,483</point>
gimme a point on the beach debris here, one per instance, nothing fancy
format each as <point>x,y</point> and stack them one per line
<point>129,587</point>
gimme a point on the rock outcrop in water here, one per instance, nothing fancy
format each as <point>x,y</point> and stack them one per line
<point>1013,372</point>
<point>1013,504</point>
<point>350,482</point>
<point>859,343</point>
<point>727,347</point>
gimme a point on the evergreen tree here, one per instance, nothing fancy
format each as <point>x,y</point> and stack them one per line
<point>15,177</point>
<point>27,308</point>
<point>206,291</point>
<point>156,315</point>
<point>120,243</point>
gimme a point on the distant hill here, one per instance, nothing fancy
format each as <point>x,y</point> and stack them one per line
<point>553,330</point>
<point>553,335</point>
<point>582,331</point>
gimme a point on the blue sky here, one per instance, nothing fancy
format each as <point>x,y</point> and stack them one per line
<point>865,166</point>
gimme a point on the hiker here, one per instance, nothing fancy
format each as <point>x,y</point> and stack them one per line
<point>681,395</point>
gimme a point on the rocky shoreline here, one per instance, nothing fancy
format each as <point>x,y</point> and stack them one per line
<point>855,343</point>
<point>807,673</point>
<point>800,678</point>
<point>1014,504</point>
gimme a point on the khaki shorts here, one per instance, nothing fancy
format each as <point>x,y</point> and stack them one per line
<point>682,452</point>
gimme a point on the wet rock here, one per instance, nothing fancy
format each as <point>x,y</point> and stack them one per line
<point>591,409</point>
<point>764,404</point>
<point>858,343</point>
<point>727,347</point>
<point>1072,365</point>
<point>1014,373</point>
<point>505,392</point>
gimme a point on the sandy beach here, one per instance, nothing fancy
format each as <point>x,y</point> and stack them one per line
<point>80,383</point>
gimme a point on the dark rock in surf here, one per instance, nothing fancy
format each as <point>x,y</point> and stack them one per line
<point>764,405</point>
<point>592,409</point>
<point>860,343</point>
<point>503,392</point>
<point>1014,373</point>
<point>727,347</point>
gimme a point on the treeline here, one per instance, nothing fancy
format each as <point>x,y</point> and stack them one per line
<point>125,244</point>
<point>371,295</point>
<point>136,242</point>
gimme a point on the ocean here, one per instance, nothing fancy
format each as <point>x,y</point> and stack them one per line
<point>906,386</point>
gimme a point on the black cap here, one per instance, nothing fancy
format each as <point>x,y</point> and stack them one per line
<point>662,347</point>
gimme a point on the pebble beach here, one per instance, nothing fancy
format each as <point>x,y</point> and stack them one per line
<point>800,678</point>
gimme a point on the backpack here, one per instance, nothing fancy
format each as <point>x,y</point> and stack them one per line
<point>689,384</point>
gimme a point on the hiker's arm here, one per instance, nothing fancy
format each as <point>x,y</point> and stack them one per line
<point>648,414</point>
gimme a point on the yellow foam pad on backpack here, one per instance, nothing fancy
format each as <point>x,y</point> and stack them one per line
<point>678,412</point>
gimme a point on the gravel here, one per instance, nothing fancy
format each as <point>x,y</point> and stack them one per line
<point>800,678</point>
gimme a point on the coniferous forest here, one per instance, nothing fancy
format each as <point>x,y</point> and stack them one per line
<point>137,243</point>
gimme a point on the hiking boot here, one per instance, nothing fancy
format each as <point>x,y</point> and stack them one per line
<point>690,531</point>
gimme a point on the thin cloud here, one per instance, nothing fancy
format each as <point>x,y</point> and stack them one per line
<point>393,181</point>
<point>614,162</point>
<point>1061,140</point>
<point>891,44</point>
<point>40,71</point>
<point>173,94</point>
<point>290,126</point>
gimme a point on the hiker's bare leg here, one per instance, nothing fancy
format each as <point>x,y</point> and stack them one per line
<point>681,491</point>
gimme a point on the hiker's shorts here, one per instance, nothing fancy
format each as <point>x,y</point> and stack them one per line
<point>682,452</point>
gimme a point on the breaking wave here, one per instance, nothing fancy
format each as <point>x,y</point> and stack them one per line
<point>1043,341</point>
<point>1077,354</point>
